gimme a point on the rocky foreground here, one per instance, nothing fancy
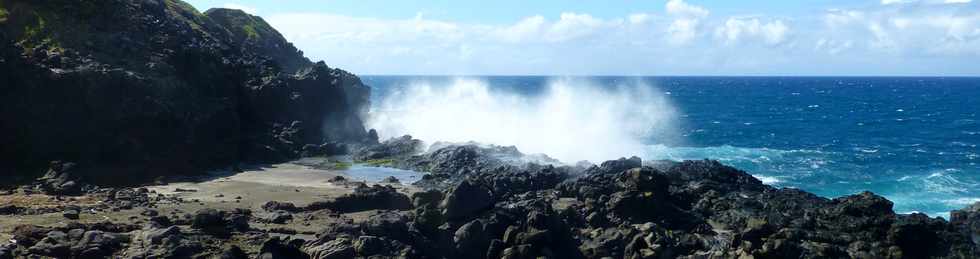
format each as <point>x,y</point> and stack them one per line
<point>490,202</point>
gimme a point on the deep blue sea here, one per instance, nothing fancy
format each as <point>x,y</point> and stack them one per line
<point>912,140</point>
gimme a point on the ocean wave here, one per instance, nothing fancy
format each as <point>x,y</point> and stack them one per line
<point>962,202</point>
<point>571,120</point>
<point>722,153</point>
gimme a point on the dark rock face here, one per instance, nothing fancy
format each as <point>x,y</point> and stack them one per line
<point>157,88</point>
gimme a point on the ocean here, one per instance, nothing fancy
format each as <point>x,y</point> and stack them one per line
<point>913,140</point>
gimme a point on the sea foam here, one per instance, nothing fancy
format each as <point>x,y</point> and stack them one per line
<point>571,120</point>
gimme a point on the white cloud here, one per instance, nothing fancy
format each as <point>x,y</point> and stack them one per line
<point>573,26</point>
<point>892,2</point>
<point>523,30</point>
<point>681,8</point>
<point>738,29</point>
<point>687,21</point>
<point>908,30</point>
<point>685,38</point>
<point>247,9</point>
<point>639,18</point>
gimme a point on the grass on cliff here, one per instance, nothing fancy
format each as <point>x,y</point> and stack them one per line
<point>190,15</point>
<point>247,26</point>
<point>41,32</point>
<point>3,14</point>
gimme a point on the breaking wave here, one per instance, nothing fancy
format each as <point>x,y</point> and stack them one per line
<point>571,120</point>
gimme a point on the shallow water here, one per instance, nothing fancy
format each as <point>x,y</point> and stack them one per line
<point>377,174</point>
<point>912,140</point>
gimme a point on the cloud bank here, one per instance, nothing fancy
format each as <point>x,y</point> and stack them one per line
<point>893,37</point>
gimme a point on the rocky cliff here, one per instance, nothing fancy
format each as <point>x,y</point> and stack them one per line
<point>154,87</point>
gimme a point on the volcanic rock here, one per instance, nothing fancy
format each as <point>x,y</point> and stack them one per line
<point>466,200</point>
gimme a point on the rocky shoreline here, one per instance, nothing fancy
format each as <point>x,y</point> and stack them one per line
<point>481,202</point>
<point>136,105</point>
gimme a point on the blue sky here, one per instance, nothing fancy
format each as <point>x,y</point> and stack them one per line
<point>631,37</point>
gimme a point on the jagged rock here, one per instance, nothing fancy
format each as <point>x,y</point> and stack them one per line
<point>220,221</point>
<point>60,179</point>
<point>233,252</point>
<point>395,147</point>
<point>96,244</point>
<point>369,245</point>
<point>967,221</point>
<point>465,200</point>
<point>391,180</point>
<point>366,198</point>
<point>471,241</point>
<point>277,217</point>
<point>389,224</point>
<point>617,166</point>
<point>161,243</point>
<point>275,248</point>
<point>28,235</point>
<point>277,206</point>
<point>427,199</point>
<point>339,248</point>
<point>56,244</point>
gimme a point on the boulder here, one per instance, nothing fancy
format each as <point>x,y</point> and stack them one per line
<point>56,244</point>
<point>366,198</point>
<point>276,248</point>
<point>277,217</point>
<point>277,206</point>
<point>233,252</point>
<point>470,240</point>
<point>620,165</point>
<point>427,199</point>
<point>60,179</point>
<point>391,180</point>
<point>389,224</point>
<point>221,221</point>
<point>395,147</point>
<point>466,200</point>
<point>340,248</point>
<point>70,213</point>
<point>97,244</point>
<point>369,245</point>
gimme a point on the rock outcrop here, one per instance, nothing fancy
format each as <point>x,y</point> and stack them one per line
<point>136,89</point>
<point>627,209</point>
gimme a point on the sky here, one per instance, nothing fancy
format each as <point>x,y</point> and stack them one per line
<point>631,37</point>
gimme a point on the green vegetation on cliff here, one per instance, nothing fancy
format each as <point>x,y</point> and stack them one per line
<point>3,14</point>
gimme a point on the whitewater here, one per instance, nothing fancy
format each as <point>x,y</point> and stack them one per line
<point>908,139</point>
